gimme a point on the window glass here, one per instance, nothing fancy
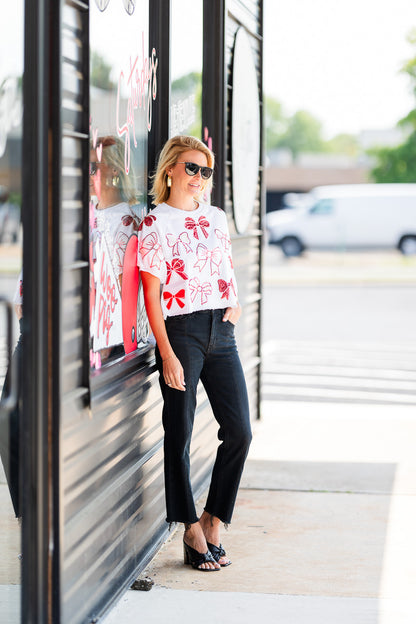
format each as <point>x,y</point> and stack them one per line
<point>11,118</point>
<point>322,207</point>
<point>123,76</point>
<point>186,68</point>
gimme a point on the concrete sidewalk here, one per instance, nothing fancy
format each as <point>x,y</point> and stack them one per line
<point>323,531</point>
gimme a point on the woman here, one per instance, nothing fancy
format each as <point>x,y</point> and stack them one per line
<point>112,222</point>
<point>191,301</point>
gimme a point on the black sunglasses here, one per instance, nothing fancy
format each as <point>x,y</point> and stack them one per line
<point>192,169</point>
<point>93,168</point>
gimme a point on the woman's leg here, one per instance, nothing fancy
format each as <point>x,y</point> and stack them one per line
<point>224,382</point>
<point>178,418</point>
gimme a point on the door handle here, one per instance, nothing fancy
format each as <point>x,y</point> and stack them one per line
<point>9,398</point>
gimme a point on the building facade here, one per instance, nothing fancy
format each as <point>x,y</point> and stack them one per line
<point>81,408</point>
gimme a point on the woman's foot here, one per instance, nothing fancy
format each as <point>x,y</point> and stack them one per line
<point>195,539</point>
<point>211,529</point>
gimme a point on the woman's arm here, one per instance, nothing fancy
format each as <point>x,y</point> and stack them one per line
<point>172,368</point>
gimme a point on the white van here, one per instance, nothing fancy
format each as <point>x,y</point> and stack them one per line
<point>354,216</point>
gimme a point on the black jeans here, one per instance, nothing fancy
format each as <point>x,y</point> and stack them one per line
<point>206,348</point>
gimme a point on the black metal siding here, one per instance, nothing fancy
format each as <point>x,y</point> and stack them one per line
<point>246,247</point>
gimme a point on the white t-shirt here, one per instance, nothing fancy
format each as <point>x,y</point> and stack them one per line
<point>190,252</point>
<point>115,224</point>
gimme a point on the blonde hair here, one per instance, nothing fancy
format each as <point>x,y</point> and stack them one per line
<point>168,157</point>
<point>113,156</point>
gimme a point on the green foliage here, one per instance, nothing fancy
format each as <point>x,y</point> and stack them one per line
<point>275,123</point>
<point>398,164</point>
<point>100,72</point>
<point>187,83</point>
<point>343,144</point>
<point>301,132</point>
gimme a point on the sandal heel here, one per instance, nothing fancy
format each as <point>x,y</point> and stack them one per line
<point>186,558</point>
<point>195,558</point>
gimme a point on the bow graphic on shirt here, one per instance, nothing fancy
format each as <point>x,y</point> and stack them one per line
<point>225,288</point>
<point>202,222</point>
<point>224,239</point>
<point>171,297</point>
<point>150,245</point>
<point>177,266</point>
<point>196,288</point>
<point>204,254</point>
<point>183,239</point>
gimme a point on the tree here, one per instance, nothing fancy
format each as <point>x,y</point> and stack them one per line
<point>343,144</point>
<point>275,123</point>
<point>398,164</point>
<point>303,134</point>
<point>100,72</point>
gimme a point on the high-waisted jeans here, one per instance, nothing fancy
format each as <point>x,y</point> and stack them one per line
<point>206,348</point>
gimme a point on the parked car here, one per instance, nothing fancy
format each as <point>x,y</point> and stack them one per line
<point>355,216</point>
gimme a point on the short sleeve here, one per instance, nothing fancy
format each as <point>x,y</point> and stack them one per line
<point>150,256</point>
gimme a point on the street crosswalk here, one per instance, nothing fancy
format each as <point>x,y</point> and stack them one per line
<point>339,372</point>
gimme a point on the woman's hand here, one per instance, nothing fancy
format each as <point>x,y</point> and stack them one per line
<point>173,373</point>
<point>232,314</point>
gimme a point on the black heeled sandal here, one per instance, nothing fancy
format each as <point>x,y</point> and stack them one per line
<point>195,559</point>
<point>217,552</point>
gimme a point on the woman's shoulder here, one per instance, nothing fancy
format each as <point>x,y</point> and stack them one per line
<point>215,211</point>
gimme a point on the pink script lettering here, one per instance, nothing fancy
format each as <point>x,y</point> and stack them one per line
<point>142,85</point>
<point>107,303</point>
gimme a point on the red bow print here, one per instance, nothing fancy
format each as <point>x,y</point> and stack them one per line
<point>225,288</point>
<point>225,240</point>
<point>204,254</point>
<point>177,266</point>
<point>171,297</point>
<point>148,220</point>
<point>196,288</point>
<point>150,245</point>
<point>183,239</point>
<point>190,224</point>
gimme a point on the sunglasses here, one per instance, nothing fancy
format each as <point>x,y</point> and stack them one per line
<point>192,169</point>
<point>93,168</point>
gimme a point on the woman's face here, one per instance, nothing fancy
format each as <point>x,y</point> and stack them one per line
<point>100,174</point>
<point>181,181</point>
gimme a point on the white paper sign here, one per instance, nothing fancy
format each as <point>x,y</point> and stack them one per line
<point>107,329</point>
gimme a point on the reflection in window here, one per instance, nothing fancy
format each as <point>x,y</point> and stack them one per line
<point>123,79</point>
<point>186,70</point>
<point>11,290</point>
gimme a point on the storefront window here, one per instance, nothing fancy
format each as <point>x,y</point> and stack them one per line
<point>123,77</point>
<point>186,68</point>
<point>11,117</point>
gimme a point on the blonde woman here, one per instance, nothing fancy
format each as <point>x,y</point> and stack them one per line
<point>191,301</point>
<point>112,223</point>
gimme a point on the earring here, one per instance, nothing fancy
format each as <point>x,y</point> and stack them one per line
<point>116,180</point>
<point>169,182</point>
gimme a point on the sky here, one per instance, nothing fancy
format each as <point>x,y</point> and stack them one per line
<point>340,60</point>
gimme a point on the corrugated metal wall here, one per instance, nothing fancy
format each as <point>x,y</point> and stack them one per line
<point>112,509</point>
<point>246,247</point>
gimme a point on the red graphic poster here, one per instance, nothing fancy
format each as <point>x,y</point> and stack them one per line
<point>106,325</point>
